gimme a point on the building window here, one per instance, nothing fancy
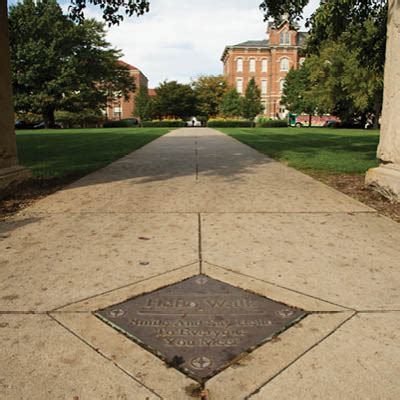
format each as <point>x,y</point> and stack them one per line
<point>239,85</point>
<point>285,64</point>
<point>285,38</point>
<point>264,86</point>
<point>301,61</point>
<point>281,85</point>
<point>264,65</point>
<point>252,65</point>
<point>117,111</point>
<point>239,65</point>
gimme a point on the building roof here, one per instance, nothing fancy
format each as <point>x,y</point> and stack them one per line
<point>129,66</point>
<point>261,44</point>
<point>253,43</point>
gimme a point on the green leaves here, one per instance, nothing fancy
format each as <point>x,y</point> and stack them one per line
<point>113,10</point>
<point>209,91</point>
<point>277,8</point>
<point>251,104</point>
<point>144,105</point>
<point>58,65</point>
<point>175,100</point>
<point>298,94</point>
<point>231,104</point>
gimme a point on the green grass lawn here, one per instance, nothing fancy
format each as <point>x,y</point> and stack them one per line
<point>64,152</point>
<point>333,151</point>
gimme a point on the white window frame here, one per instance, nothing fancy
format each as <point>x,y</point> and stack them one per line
<point>264,86</point>
<point>239,85</point>
<point>284,64</point>
<point>264,65</point>
<point>281,85</point>
<point>252,65</point>
<point>239,64</point>
<point>284,38</point>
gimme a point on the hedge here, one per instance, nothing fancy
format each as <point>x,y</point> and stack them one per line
<point>272,123</point>
<point>167,123</point>
<point>230,123</point>
<point>121,123</point>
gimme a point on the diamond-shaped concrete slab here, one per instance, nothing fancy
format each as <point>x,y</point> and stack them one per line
<point>200,325</point>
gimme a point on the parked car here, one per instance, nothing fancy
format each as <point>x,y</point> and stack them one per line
<point>331,124</point>
<point>19,124</point>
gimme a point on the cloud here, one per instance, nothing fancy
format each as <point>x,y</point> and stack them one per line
<point>180,40</point>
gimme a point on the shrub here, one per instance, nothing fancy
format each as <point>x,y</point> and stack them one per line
<point>164,123</point>
<point>229,123</point>
<point>121,123</point>
<point>271,123</point>
<point>83,119</point>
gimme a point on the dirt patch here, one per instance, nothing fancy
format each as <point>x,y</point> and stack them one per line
<point>353,186</point>
<point>28,192</point>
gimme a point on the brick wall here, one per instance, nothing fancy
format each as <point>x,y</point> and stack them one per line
<point>273,52</point>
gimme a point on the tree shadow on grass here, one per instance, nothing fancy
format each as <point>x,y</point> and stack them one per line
<point>187,153</point>
<point>341,151</point>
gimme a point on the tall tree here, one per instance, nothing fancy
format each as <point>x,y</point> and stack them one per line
<point>342,86</point>
<point>209,91</point>
<point>175,100</point>
<point>58,65</point>
<point>251,104</point>
<point>297,92</point>
<point>144,107</point>
<point>231,104</point>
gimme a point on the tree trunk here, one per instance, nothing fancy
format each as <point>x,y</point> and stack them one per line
<point>49,118</point>
<point>310,120</point>
<point>378,110</point>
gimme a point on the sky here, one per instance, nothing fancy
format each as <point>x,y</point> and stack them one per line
<point>183,39</point>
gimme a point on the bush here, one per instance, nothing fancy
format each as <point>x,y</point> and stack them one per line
<point>271,123</point>
<point>229,123</point>
<point>83,119</point>
<point>122,123</point>
<point>165,123</point>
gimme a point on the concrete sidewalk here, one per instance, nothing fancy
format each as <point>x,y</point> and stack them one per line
<point>196,201</point>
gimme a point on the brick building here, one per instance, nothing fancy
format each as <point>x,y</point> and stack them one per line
<point>267,61</point>
<point>119,108</point>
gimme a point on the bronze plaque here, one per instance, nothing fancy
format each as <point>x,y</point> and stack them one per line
<point>200,325</point>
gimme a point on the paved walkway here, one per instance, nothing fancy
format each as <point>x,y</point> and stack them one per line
<point>196,200</point>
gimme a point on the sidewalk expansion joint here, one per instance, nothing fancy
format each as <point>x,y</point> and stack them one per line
<point>281,287</point>
<point>103,355</point>
<point>200,245</point>
<point>300,356</point>
<point>58,309</point>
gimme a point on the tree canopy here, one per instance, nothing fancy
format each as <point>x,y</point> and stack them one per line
<point>59,65</point>
<point>298,96</point>
<point>209,91</point>
<point>231,104</point>
<point>174,100</point>
<point>251,103</point>
<point>144,104</point>
<point>113,10</point>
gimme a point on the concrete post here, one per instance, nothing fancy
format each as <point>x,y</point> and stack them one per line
<point>386,178</point>
<point>9,170</point>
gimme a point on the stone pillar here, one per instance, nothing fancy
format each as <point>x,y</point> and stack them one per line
<point>386,178</point>
<point>10,172</point>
